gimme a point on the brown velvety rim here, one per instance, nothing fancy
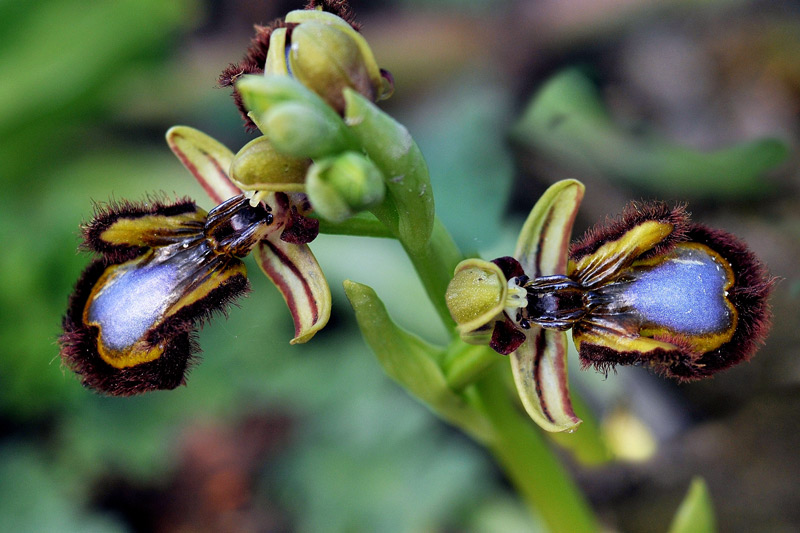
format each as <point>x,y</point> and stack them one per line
<point>106,214</point>
<point>749,295</point>
<point>79,341</point>
<point>634,214</point>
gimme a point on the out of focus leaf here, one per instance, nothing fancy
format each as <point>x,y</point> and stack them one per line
<point>59,57</point>
<point>696,513</point>
<point>567,120</point>
<point>461,130</point>
<point>34,498</point>
<point>65,47</point>
<point>384,468</point>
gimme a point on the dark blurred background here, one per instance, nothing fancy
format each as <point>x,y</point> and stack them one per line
<point>268,437</point>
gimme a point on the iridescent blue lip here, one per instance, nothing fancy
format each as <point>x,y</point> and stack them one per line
<point>131,302</point>
<point>685,293</point>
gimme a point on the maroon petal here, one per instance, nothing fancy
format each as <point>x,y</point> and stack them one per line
<point>506,337</point>
<point>511,267</point>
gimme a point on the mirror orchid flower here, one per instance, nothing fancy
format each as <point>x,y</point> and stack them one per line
<point>651,288</point>
<point>165,268</point>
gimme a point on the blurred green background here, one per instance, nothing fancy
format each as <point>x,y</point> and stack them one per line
<point>689,101</point>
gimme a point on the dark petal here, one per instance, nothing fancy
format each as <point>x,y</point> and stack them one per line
<point>299,229</point>
<point>175,336</point>
<point>506,337</point>
<point>510,267</point>
<point>106,215</point>
<point>634,214</point>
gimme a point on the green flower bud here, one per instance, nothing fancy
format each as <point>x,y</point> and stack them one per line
<point>327,54</point>
<point>295,119</point>
<point>475,297</point>
<point>326,60</point>
<point>298,130</point>
<point>340,187</point>
<point>259,167</point>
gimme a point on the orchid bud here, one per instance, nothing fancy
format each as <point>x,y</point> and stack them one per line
<point>340,187</point>
<point>259,167</point>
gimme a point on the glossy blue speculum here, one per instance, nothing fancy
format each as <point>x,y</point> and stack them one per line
<point>685,292</point>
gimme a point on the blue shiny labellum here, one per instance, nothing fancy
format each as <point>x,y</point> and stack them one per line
<point>684,293</point>
<point>133,299</point>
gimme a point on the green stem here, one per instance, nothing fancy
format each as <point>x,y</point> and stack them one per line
<point>435,264</point>
<point>529,462</point>
<point>465,363</point>
<point>362,225</point>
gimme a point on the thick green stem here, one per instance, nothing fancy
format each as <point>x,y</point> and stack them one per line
<point>435,264</point>
<point>529,462</point>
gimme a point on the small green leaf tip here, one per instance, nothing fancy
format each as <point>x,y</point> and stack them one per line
<point>696,512</point>
<point>342,186</point>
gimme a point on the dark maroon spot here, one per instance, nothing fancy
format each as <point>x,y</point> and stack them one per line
<point>506,338</point>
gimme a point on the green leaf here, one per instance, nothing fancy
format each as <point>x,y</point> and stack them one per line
<point>696,512</point>
<point>411,362</point>
<point>567,121</point>
<point>63,49</point>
